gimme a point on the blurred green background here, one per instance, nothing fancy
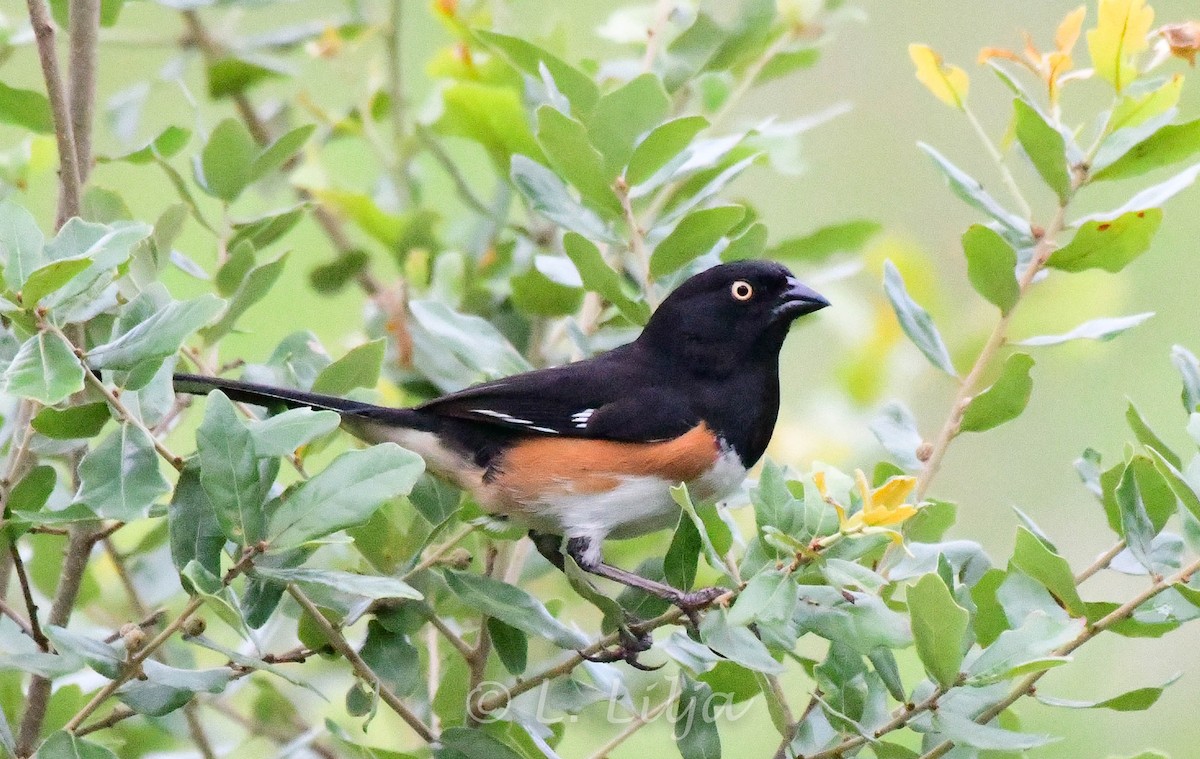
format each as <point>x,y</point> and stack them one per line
<point>864,164</point>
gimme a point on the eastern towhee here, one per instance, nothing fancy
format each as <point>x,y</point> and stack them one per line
<point>590,450</point>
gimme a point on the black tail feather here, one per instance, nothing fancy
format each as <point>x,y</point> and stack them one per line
<point>268,396</point>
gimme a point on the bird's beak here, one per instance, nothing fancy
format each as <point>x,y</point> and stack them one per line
<point>797,300</point>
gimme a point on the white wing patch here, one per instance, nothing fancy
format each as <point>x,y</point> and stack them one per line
<point>513,420</point>
<point>581,417</point>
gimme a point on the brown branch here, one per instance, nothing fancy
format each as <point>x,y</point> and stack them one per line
<point>43,31</point>
<point>79,548</point>
<point>84,20</point>
<point>134,664</point>
<point>26,628</point>
<point>119,714</point>
<point>35,629</point>
<point>342,646</point>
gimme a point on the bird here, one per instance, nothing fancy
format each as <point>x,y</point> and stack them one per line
<point>590,450</point>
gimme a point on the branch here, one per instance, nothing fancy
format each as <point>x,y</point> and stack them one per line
<point>33,628</point>
<point>43,30</point>
<point>84,19</point>
<point>501,697</point>
<point>966,390</point>
<point>1025,686</point>
<point>134,664</point>
<point>662,14</point>
<point>338,641</point>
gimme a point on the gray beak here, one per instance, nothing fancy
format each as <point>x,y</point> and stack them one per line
<point>797,300</point>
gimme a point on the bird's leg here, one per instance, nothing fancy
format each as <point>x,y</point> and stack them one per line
<point>582,551</point>
<point>632,642</point>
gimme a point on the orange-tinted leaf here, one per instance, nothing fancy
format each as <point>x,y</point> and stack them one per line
<point>948,84</point>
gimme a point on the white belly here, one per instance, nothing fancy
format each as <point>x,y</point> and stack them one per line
<point>636,506</point>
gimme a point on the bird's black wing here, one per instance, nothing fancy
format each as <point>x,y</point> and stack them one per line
<point>612,397</point>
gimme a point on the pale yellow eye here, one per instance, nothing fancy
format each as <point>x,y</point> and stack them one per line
<point>741,290</point>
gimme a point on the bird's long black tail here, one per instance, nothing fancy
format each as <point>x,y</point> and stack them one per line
<point>269,396</point>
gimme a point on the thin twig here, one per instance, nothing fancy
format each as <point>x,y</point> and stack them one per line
<point>639,721</point>
<point>26,628</point>
<point>35,629</point>
<point>1045,246</point>
<point>654,34</point>
<point>119,714</point>
<point>1013,189</point>
<point>43,31</point>
<point>1101,562</point>
<point>1025,686</point>
<point>436,555</point>
<point>501,697</point>
<point>134,664</point>
<point>342,646</point>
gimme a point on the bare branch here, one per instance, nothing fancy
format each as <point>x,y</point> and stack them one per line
<point>84,17</point>
<point>43,30</point>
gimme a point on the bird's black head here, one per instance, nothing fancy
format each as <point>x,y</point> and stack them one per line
<point>731,314</point>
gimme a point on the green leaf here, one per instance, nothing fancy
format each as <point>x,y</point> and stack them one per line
<point>168,142</point>
<point>1136,526</point>
<point>695,728</point>
<point>1177,482</point>
<point>512,606</point>
<point>1096,329</point>
<point>664,143</point>
<point>45,369</point>
<point>600,278</point>
<point>192,526</point>
<point>1108,245</point>
<point>1039,561</point>
<point>278,152</point>
<point>120,479</point>
<point>254,287</point>
<point>577,86</point>
<point>264,230</point>
<point>683,554</point>
<point>1133,110</point>
<point>100,656</point>
<point>360,367</point>
<point>1004,400</point>
<point>64,745</point>
<point>1169,145</point>
<point>72,422</point>
<point>108,246</point>
<point>512,646</point>
<point>492,116</point>
<point>1035,640</point>
<point>26,108</point>
<point>454,350</point>
<point>1045,147</point>
<point>848,236</point>
<point>715,536</point>
<point>736,643</point>
<point>565,142</point>
<point>991,267</point>
<point>232,477</point>
<point>1189,369</point>
<point>1136,700</point>
<point>475,744</point>
<point>49,278</point>
<point>344,494</point>
<point>751,243</point>
<point>915,321</point>
<point>157,337</point>
<point>1148,437</point>
<point>967,732</point>
<point>224,167</point>
<point>693,236</point>
<point>548,196</point>
<point>197,580</point>
<point>33,490</point>
<point>769,596</point>
<point>623,115</point>
<point>21,243</point>
<point>896,430</point>
<point>971,191</point>
<point>366,586</point>
<point>232,76</point>
<point>1153,196</point>
<point>282,434</point>
<point>939,628</point>
<point>550,287</point>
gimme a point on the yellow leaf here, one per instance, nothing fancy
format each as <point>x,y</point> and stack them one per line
<point>1068,31</point>
<point>1120,34</point>
<point>892,493</point>
<point>948,84</point>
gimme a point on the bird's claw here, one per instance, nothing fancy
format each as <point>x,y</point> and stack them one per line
<point>692,602</point>
<point>627,650</point>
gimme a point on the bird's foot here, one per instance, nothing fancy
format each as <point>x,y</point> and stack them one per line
<point>690,603</point>
<point>631,644</point>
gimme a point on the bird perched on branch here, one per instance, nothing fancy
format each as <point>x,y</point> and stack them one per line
<point>589,450</point>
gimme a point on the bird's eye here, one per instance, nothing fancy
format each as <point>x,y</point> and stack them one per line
<point>741,290</point>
